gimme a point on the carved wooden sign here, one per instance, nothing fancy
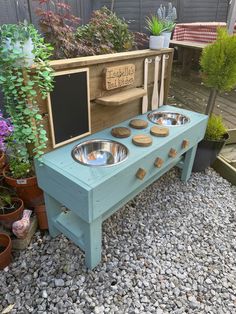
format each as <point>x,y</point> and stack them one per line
<point>119,76</point>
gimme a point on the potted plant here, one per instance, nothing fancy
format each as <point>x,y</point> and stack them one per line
<point>208,149</point>
<point>218,64</point>
<point>168,26</point>
<point>156,28</point>
<point>167,16</point>
<point>11,208</point>
<point>19,83</point>
<point>5,250</point>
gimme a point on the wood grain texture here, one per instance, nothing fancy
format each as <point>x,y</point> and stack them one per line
<point>107,116</point>
<point>138,124</point>
<point>121,132</point>
<point>159,131</point>
<point>141,173</point>
<point>142,140</point>
<point>121,98</point>
<point>119,76</point>
<point>159,162</point>
<point>185,144</point>
<point>172,153</point>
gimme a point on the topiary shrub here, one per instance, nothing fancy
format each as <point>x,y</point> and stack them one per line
<point>218,64</point>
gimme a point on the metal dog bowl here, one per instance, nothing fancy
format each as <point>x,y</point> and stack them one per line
<point>168,118</point>
<point>97,153</point>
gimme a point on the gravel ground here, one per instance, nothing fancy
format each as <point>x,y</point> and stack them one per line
<point>170,250</point>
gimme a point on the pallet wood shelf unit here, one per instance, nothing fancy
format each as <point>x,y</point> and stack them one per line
<point>121,98</point>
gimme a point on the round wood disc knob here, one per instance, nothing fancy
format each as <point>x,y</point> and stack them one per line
<point>138,124</point>
<point>142,140</point>
<point>121,132</point>
<point>157,131</point>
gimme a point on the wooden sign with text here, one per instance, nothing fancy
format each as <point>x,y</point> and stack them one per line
<point>119,76</point>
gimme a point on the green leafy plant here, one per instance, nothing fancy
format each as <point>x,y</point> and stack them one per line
<point>154,25</point>
<point>59,26</point>
<point>168,25</point>
<point>106,33</point>
<point>218,65</point>
<point>215,128</point>
<point>5,197</point>
<point>20,170</point>
<point>22,84</point>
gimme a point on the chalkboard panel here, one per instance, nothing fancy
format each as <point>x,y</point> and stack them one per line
<point>69,106</point>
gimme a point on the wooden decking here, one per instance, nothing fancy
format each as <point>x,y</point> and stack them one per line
<point>190,93</point>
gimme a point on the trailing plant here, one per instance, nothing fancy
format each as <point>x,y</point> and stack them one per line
<point>167,14</point>
<point>19,83</point>
<point>215,128</point>
<point>6,129</point>
<point>154,25</point>
<point>106,33</point>
<point>59,25</point>
<point>218,65</point>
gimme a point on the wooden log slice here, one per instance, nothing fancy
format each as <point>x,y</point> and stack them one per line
<point>142,140</point>
<point>159,131</point>
<point>138,124</point>
<point>121,132</point>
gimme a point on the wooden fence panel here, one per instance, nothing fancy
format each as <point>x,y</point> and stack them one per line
<point>136,11</point>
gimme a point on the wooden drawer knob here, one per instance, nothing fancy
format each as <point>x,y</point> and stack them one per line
<point>185,144</point>
<point>158,162</point>
<point>141,173</point>
<point>172,153</point>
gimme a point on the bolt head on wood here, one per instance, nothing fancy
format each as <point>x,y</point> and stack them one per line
<point>172,153</point>
<point>140,174</point>
<point>185,144</point>
<point>158,162</point>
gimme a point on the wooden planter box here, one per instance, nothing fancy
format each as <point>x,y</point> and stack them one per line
<point>225,163</point>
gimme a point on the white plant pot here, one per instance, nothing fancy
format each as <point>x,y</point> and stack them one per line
<point>156,42</point>
<point>167,36</point>
<point>26,50</point>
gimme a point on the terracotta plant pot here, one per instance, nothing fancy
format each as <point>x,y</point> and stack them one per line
<point>5,255</point>
<point>27,189</point>
<point>42,217</point>
<point>8,219</point>
<point>2,159</point>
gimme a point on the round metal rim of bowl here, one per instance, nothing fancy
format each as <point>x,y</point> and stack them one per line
<point>168,112</point>
<point>99,140</point>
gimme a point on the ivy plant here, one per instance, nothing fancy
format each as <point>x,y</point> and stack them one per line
<point>22,84</point>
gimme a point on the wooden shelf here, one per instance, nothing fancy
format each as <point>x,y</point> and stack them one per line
<point>121,98</point>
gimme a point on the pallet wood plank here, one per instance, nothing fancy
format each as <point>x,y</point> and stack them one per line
<point>122,98</point>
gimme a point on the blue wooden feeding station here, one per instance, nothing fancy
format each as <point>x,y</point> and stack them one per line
<point>92,193</point>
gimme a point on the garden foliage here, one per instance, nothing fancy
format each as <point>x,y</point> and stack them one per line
<point>59,25</point>
<point>106,33</point>
<point>218,62</point>
<point>215,128</point>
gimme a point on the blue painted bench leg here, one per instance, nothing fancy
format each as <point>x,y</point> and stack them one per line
<point>188,163</point>
<point>53,209</point>
<point>93,243</point>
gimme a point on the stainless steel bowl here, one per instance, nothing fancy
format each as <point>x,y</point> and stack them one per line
<point>98,153</point>
<point>168,118</point>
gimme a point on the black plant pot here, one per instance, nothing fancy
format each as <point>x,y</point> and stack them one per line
<point>206,153</point>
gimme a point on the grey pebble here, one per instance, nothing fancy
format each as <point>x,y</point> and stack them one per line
<point>170,250</point>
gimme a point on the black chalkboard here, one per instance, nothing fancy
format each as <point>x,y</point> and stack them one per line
<point>69,106</point>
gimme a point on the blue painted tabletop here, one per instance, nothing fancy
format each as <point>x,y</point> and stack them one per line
<point>61,159</point>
